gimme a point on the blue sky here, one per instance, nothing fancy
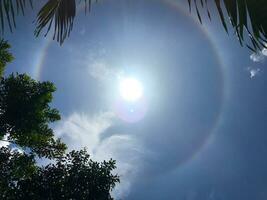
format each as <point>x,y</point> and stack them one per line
<point>200,131</point>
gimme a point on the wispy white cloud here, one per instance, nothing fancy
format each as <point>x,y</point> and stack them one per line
<point>264,51</point>
<point>102,72</point>
<point>81,130</point>
<point>259,56</point>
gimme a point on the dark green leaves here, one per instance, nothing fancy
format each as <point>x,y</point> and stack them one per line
<point>25,114</point>
<point>5,55</point>
<point>14,166</point>
<point>74,176</point>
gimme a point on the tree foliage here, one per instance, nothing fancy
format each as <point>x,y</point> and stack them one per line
<point>25,115</point>
<point>73,176</point>
<point>5,56</point>
<point>14,166</point>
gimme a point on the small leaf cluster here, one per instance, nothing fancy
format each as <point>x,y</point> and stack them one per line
<point>5,56</point>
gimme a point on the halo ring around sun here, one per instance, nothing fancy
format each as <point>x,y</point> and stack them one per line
<point>40,60</point>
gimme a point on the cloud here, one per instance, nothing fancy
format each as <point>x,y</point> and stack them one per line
<point>99,68</point>
<point>13,147</point>
<point>259,56</point>
<point>81,130</point>
<point>253,72</point>
<point>101,72</point>
<point>3,142</point>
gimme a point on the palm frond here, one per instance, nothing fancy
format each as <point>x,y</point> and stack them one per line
<point>60,14</point>
<point>247,17</point>
<point>9,9</point>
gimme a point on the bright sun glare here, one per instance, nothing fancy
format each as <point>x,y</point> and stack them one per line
<point>130,89</point>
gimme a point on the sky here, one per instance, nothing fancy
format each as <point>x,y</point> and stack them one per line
<point>199,130</point>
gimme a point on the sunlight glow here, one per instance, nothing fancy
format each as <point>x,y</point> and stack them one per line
<point>130,89</point>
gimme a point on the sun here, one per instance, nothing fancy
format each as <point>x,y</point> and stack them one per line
<point>130,89</point>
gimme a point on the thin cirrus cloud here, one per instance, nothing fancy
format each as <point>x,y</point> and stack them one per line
<point>98,67</point>
<point>101,72</point>
<point>81,130</point>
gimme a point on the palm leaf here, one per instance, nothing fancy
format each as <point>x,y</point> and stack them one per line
<point>247,17</point>
<point>59,14</point>
<point>9,9</point>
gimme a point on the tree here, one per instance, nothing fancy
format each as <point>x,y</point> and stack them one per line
<point>14,166</point>
<point>5,56</point>
<point>25,115</point>
<point>247,17</point>
<point>73,176</point>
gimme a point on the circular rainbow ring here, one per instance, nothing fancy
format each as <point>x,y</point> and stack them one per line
<point>172,4</point>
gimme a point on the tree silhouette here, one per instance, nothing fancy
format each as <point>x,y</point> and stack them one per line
<point>73,176</point>
<point>14,166</point>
